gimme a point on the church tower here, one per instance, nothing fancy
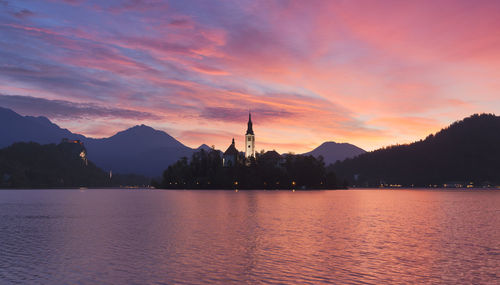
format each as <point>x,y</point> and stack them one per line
<point>249,139</point>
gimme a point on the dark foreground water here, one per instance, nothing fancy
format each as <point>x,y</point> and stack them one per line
<point>191,237</point>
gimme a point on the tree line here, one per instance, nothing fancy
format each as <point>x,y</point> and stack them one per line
<point>204,170</point>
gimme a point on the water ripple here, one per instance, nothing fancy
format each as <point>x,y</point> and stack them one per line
<point>267,237</point>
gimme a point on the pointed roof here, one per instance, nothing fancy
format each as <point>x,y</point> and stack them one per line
<point>274,155</point>
<point>231,150</point>
<point>249,128</point>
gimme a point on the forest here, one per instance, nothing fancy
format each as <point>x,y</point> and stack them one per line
<point>31,165</point>
<point>465,153</point>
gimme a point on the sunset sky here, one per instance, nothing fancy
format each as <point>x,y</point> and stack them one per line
<point>371,73</point>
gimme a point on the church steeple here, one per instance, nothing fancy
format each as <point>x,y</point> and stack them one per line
<point>249,128</point>
<point>249,139</point>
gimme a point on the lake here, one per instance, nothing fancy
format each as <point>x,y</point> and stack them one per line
<point>273,237</point>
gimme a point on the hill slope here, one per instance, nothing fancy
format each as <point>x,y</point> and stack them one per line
<point>467,151</point>
<point>332,151</point>
<point>31,165</point>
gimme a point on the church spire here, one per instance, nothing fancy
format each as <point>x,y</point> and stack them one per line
<point>249,139</point>
<point>249,128</point>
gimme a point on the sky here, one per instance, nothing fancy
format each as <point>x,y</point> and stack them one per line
<point>370,73</point>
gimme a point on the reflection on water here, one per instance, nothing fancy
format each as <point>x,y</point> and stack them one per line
<point>191,237</point>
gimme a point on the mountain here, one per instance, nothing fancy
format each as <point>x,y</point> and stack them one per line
<point>17,128</point>
<point>466,151</point>
<point>204,147</point>
<point>140,149</point>
<point>332,151</point>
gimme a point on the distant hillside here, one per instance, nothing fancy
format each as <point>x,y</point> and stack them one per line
<point>467,151</point>
<point>332,151</point>
<point>140,149</point>
<point>31,165</point>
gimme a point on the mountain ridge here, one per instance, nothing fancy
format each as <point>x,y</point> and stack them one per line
<point>139,149</point>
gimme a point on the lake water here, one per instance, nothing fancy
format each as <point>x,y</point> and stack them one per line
<point>224,237</point>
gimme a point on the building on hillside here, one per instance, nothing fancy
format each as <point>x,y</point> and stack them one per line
<point>230,156</point>
<point>249,139</point>
<point>76,147</point>
<point>66,140</point>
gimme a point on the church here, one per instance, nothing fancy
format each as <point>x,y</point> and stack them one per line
<point>230,156</point>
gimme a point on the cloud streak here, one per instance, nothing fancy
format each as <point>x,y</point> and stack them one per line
<point>60,109</point>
